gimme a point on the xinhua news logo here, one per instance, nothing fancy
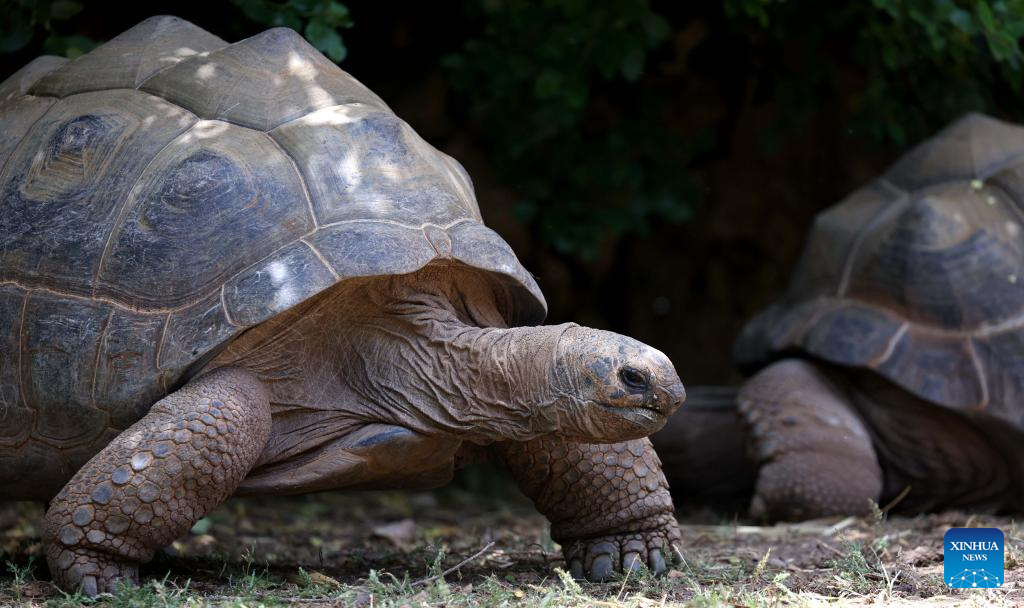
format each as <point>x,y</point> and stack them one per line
<point>973,558</point>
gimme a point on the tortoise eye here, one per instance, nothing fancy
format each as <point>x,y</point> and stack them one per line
<point>633,378</point>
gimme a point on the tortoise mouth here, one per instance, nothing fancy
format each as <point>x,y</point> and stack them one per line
<point>653,413</point>
<point>603,422</point>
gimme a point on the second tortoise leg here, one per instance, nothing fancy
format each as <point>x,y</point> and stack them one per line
<point>608,504</point>
<point>155,480</point>
<point>814,452</point>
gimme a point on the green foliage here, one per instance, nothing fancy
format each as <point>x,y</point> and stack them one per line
<point>22,575</point>
<point>931,61</point>
<point>318,20</point>
<point>921,63</point>
<point>26,20</point>
<point>758,10</point>
<point>554,86</point>
<point>23,20</point>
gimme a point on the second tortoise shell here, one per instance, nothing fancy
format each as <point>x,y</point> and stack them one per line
<point>919,276</point>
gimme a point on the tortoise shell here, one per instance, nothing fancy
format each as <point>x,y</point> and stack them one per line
<point>918,276</point>
<point>168,190</point>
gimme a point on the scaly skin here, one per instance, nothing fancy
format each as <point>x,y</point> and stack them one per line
<point>152,483</point>
<point>814,451</point>
<point>608,504</point>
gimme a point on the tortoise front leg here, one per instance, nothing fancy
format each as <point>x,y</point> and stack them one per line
<point>814,451</point>
<point>608,504</point>
<point>155,480</point>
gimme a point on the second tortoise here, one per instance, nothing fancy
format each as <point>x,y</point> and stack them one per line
<point>892,369</point>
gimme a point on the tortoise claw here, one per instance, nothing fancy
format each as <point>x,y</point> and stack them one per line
<point>597,559</point>
<point>88,586</point>
<point>576,569</point>
<point>631,563</point>
<point>657,561</point>
<point>601,568</point>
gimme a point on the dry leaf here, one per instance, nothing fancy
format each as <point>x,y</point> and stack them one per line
<point>401,533</point>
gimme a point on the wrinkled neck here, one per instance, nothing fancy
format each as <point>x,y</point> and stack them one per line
<point>479,383</point>
<point>429,352</point>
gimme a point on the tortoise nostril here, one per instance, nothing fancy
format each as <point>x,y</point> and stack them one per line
<point>633,378</point>
<point>676,393</point>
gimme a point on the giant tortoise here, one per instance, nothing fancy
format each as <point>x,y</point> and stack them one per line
<point>231,268</point>
<point>892,369</point>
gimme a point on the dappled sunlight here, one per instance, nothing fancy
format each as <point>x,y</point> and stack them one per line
<point>285,293</point>
<point>206,129</point>
<point>206,71</point>
<point>183,52</point>
<point>335,115</point>
<point>177,55</point>
<point>348,168</point>
<point>360,162</point>
<point>302,67</point>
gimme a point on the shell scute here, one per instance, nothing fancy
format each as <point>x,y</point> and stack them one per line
<point>64,185</point>
<point>128,59</point>
<point>125,385</point>
<point>18,84</point>
<point>32,470</point>
<point>61,338</point>
<point>362,249</point>
<point>1001,356</point>
<point>260,82</point>
<point>16,420</point>
<point>292,275</point>
<point>943,259</point>
<point>215,201</point>
<point>362,163</point>
<point>191,334</point>
<point>853,335</point>
<point>936,368</point>
<point>16,118</point>
<point>973,147</point>
<point>822,269</point>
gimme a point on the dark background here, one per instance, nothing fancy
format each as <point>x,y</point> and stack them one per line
<point>656,165</point>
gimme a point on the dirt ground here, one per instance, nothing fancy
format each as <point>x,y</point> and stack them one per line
<point>392,548</point>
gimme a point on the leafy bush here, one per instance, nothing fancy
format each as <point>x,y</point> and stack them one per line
<point>552,87</point>
<point>318,20</point>
<point>920,63</point>
<point>24,20</point>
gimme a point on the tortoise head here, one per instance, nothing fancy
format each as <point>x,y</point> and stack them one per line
<point>614,387</point>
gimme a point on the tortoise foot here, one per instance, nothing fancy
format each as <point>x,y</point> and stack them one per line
<point>597,559</point>
<point>814,451</point>
<point>608,504</point>
<point>88,571</point>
